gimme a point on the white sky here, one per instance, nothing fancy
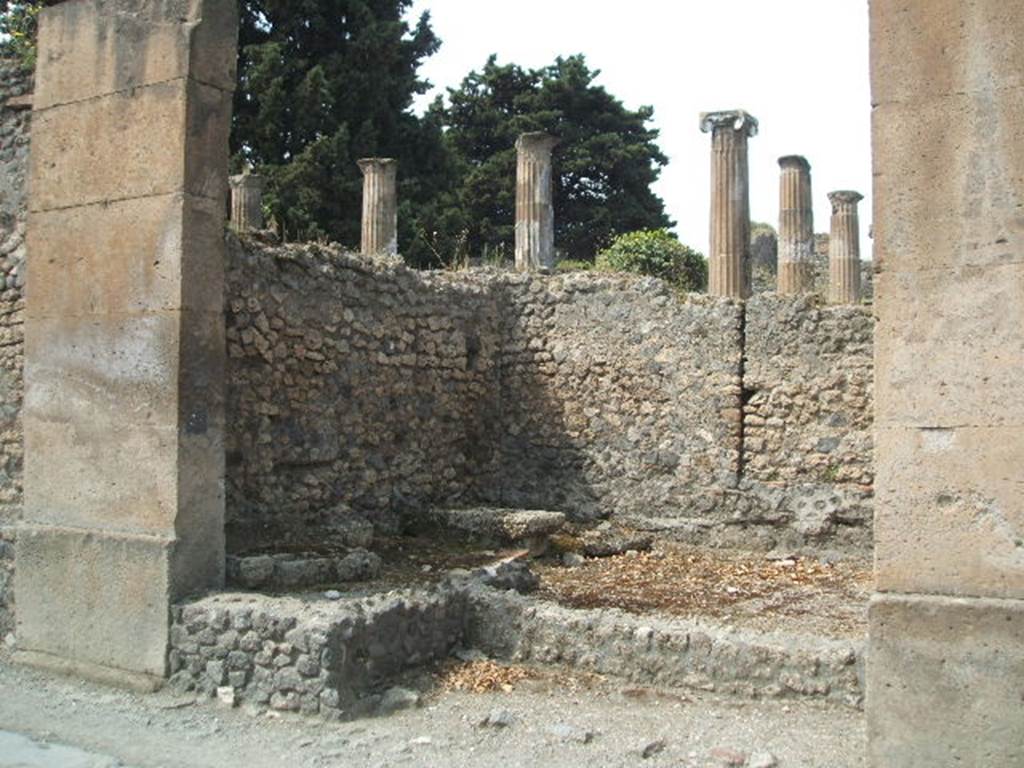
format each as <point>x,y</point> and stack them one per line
<point>799,66</point>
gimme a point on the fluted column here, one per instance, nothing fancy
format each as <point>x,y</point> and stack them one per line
<point>844,249</point>
<point>796,226</point>
<point>535,209</point>
<point>380,205</point>
<point>729,257</point>
<point>246,202</point>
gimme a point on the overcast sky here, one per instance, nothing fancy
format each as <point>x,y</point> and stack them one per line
<point>799,66</point>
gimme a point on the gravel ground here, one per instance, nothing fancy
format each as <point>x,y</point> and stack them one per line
<point>50,722</point>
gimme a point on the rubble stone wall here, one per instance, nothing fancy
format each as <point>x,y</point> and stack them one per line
<point>14,147</point>
<point>355,387</point>
<point>362,388</point>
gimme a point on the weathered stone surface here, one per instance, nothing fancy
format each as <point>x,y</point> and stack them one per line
<point>729,256</point>
<point>945,656</point>
<point>535,208</point>
<point>124,401</point>
<point>380,206</point>
<point>944,681</point>
<point>503,524</point>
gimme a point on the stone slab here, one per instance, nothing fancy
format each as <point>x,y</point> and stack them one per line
<point>141,255</point>
<point>944,682</point>
<point>505,524</point>
<point>164,138</point>
<point>948,348</point>
<point>937,47</point>
<point>953,506</point>
<point>107,397</point>
<point>85,575</point>
<point>955,163</point>
<point>107,46</point>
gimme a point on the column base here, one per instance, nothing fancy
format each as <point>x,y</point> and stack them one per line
<point>945,682</point>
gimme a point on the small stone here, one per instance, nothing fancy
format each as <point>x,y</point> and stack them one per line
<point>568,733</point>
<point>498,718</point>
<point>9,640</point>
<point>421,741</point>
<point>332,594</point>
<point>763,760</point>
<point>396,699</point>
<point>226,695</point>
<point>653,748</point>
<point>728,757</point>
<point>573,560</point>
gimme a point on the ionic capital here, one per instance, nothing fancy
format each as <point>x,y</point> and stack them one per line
<point>733,120</point>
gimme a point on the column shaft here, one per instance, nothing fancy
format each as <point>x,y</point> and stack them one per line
<point>729,257</point>
<point>796,226</point>
<point>246,202</point>
<point>380,205</point>
<point>535,208</point>
<point>844,249</point>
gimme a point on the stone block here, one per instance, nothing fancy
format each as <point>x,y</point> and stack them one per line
<point>164,138</point>
<point>107,46</point>
<point>923,50</point>
<point>67,578</point>
<point>944,682</point>
<point>956,167</point>
<point>111,419</point>
<point>142,255</point>
<point>950,514</point>
<point>948,350</point>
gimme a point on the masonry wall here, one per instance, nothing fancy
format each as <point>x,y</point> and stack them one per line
<point>364,389</point>
<point>15,85</point>
<point>355,389</point>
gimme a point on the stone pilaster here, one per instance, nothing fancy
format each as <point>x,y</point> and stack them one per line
<point>844,249</point>
<point>380,205</point>
<point>124,331</point>
<point>729,257</point>
<point>796,226</point>
<point>535,208</point>
<point>945,661</point>
<point>246,202</point>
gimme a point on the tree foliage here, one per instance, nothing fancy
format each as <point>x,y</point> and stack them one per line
<point>603,168</point>
<point>18,30</point>
<point>659,254</point>
<point>323,83</point>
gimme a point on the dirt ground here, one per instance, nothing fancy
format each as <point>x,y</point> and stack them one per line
<point>542,719</point>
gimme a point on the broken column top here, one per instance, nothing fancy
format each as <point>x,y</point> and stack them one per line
<point>536,141</point>
<point>247,179</point>
<point>734,119</point>
<point>788,161</point>
<point>847,196</point>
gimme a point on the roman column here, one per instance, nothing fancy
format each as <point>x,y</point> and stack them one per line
<point>535,209</point>
<point>796,226</point>
<point>729,258</point>
<point>124,331</point>
<point>844,248</point>
<point>380,205</point>
<point>246,202</point>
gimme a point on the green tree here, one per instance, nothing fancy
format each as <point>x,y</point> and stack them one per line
<point>659,254</point>
<point>603,168</point>
<point>321,84</point>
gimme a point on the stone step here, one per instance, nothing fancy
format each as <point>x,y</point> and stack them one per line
<point>528,528</point>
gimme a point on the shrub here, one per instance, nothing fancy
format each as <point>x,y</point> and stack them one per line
<point>657,253</point>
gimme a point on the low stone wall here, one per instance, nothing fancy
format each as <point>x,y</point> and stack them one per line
<point>665,652</point>
<point>312,656</point>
